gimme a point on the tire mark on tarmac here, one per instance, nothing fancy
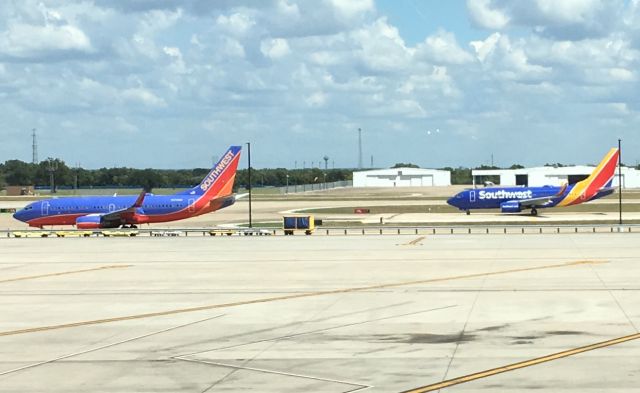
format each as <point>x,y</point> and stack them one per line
<point>523,364</point>
<point>309,332</point>
<point>93,269</point>
<point>415,242</point>
<point>289,297</point>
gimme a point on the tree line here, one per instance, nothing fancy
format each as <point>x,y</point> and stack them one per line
<point>20,173</point>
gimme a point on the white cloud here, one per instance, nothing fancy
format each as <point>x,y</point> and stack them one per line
<point>139,95</point>
<point>351,8</point>
<point>31,41</point>
<point>235,24</point>
<point>442,48</point>
<point>483,14</point>
<point>275,48</point>
<point>566,19</point>
<point>316,99</point>
<point>381,47</point>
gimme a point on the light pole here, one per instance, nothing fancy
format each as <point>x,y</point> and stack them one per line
<point>359,148</point>
<point>287,191</point>
<point>52,166</point>
<point>250,187</point>
<point>620,181</point>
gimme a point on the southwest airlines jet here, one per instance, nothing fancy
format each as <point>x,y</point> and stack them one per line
<point>515,199</point>
<point>92,212</point>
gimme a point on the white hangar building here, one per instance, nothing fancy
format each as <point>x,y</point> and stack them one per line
<point>551,176</point>
<point>402,177</point>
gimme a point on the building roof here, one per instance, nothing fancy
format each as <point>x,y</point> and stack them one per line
<point>405,171</point>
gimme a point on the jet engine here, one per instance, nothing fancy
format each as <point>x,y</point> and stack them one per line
<point>90,221</point>
<point>510,207</point>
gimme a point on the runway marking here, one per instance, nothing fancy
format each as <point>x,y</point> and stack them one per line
<point>108,345</point>
<point>288,297</point>
<point>523,364</point>
<point>65,273</point>
<point>358,386</point>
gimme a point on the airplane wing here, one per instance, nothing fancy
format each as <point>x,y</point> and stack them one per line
<point>125,214</point>
<point>227,200</point>
<point>542,201</point>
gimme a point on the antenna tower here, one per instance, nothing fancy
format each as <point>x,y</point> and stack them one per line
<point>34,147</point>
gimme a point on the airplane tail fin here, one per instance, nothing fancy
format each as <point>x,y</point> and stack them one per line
<point>219,181</point>
<point>600,178</point>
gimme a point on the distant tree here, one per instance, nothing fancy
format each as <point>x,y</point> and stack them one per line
<point>487,167</point>
<point>405,165</point>
<point>459,175</point>
<point>516,166</point>
<point>18,173</point>
<point>556,165</point>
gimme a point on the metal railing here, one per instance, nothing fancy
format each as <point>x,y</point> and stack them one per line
<point>335,231</point>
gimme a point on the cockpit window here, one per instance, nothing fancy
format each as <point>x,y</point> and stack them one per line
<point>28,208</point>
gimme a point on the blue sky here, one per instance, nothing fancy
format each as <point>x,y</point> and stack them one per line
<point>172,83</point>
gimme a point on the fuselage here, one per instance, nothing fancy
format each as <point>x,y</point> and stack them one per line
<point>496,197</point>
<point>155,208</point>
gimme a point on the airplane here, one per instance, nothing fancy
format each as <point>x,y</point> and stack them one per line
<point>94,212</point>
<point>516,199</point>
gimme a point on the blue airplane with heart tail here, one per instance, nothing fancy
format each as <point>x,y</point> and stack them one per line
<point>93,212</point>
<point>516,199</point>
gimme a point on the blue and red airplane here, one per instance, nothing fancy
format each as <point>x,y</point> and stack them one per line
<point>516,199</point>
<point>93,212</point>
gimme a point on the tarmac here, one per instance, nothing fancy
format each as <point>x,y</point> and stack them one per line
<point>508,313</point>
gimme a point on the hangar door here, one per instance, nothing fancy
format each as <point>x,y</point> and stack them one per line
<point>573,179</point>
<point>422,181</point>
<point>522,180</point>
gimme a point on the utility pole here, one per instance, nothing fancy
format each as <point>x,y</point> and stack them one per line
<point>620,180</point>
<point>77,173</point>
<point>52,166</point>
<point>34,147</point>
<point>359,148</point>
<point>250,187</point>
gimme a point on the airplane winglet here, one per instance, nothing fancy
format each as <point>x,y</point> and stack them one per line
<point>562,189</point>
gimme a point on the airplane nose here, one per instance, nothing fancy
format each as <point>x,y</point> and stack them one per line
<point>19,215</point>
<point>451,201</point>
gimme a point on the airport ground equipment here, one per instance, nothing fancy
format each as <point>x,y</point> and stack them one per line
<point>119,233</point>
<point>240,232</point>
<point>75,233</point>
<point>31,234</point>
<point>291,224</point>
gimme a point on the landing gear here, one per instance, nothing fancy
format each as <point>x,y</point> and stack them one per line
<point>534,211</point>
<point>132,226</point>
<point>468,212</point>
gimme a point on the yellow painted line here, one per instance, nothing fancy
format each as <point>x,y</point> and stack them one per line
<point>288,297</point>
<point>519,365</point>
<point>64,273</point>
